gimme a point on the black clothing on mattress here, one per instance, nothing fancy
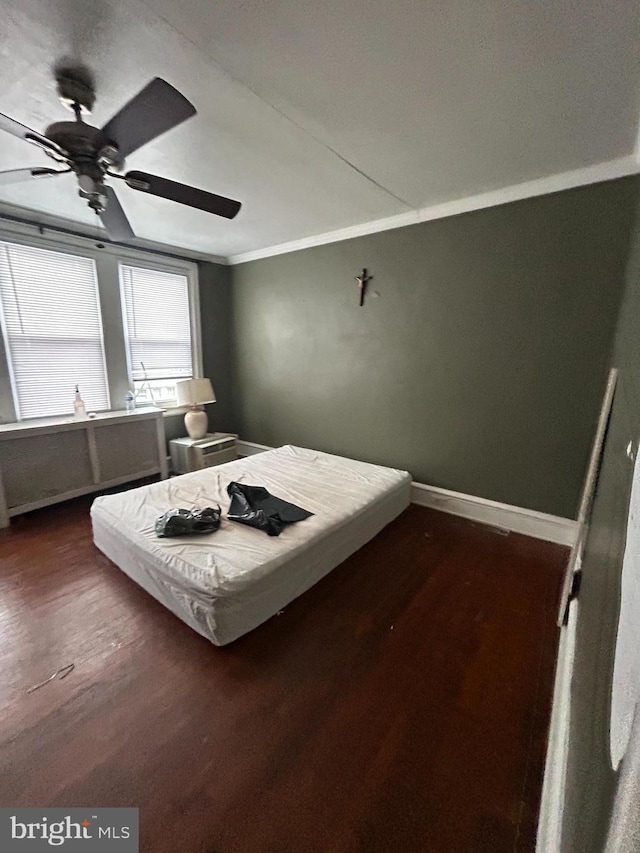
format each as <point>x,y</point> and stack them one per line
<point>255,506</point>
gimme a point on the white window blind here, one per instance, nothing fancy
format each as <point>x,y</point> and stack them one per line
<point>52,329</point>
<point>158,331</point>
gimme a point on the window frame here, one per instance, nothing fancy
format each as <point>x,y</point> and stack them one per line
<point>190,271</point>
<point>107,258</point>
<point>5,335</point>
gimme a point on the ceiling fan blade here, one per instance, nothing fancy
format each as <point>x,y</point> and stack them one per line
<point>154,110</point>
<point>115,219</point>
<point>13,176</point>
<point>23,132</point>
<point>183,194</point>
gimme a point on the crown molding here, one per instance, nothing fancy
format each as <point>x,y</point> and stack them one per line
<point>606,171</point>
<point>411,217</point>
<point>25,221</point>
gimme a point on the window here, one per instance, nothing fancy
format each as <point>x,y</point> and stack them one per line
<point>106,318</point>
<point>157,320</point>
<point>52,330</point>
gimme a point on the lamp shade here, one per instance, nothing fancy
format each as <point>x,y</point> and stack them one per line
<point>195,392</point>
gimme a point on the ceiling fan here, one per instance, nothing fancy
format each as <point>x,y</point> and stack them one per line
<point>93,154</point>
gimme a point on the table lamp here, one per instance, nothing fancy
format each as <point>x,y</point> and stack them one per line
<point>195,393</point>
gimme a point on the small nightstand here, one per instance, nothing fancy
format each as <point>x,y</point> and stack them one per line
<point>188,454</point>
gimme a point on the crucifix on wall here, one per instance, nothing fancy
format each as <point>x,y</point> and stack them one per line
<point>362,280</point>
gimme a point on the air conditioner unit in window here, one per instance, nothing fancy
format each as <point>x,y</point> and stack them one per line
<point>214,449</point>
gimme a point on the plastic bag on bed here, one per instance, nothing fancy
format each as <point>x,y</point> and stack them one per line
<point>182,522</point>
<point>256,507</point>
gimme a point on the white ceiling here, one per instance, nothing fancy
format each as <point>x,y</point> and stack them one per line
<point>324,115</point>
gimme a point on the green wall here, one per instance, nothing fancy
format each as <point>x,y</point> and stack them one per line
<point>590,779</point>
<point>214,290</point>
<point>215,305</point>
<point>477,362</point>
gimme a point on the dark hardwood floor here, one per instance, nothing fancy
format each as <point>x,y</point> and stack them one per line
<point>402,704</point>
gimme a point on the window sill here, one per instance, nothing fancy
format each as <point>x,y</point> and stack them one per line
<point>167,411</point>
<point>174,410</point>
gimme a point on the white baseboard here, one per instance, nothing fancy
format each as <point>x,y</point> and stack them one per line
<point>249,448</point>
<point>549,838</point>
<point>552,528</point>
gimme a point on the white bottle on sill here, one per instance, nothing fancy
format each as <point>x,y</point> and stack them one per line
<point>79,408</point>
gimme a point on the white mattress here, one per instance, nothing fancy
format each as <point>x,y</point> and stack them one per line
<point>227,583</point>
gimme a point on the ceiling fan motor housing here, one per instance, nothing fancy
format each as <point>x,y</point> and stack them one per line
<point>75,137</point>
<point>81,141</point>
